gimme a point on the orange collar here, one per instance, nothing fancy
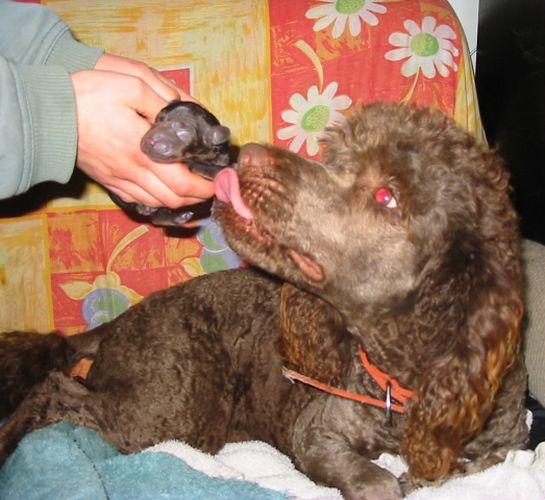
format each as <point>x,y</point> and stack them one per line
<point>384,381</point>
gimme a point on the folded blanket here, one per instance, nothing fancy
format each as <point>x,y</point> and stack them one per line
<point>67,462</point>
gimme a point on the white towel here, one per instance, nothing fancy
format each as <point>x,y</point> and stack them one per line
<point>520,477</point>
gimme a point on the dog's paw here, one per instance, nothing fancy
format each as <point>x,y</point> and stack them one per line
<point>380,487</point>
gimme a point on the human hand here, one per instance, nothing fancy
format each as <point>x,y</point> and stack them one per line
<point>115,109</point>
<point>160,84</point>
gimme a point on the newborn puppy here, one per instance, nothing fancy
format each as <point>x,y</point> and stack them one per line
<point>183,132</point>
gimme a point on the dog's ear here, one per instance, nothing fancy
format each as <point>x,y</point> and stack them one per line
<point>311,335</point>
<point>477,285</point>
<point>216,135</point>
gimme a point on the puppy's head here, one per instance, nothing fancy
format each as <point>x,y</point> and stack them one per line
<point>186,132</point>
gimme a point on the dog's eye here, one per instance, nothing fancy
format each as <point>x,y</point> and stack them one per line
<point>385,197</point>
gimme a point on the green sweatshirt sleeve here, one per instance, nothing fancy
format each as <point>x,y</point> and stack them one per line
<point>34,34</point>
<point>38,123</point>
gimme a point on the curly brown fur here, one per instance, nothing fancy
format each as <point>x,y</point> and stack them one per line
<point>312,335</point>
<point>25,359</point>
<point>402,240</point>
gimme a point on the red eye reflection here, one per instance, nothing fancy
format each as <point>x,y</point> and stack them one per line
<point>385,197</point>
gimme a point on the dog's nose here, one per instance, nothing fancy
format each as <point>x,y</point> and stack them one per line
<point>253,154</point>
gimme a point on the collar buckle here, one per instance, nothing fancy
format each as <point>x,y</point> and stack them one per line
<point>388,404</point>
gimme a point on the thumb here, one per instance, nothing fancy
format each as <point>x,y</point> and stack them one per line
<point>146,102</point>
<point>149,104</point>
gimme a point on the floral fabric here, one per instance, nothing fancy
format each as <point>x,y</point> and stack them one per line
<point>277,71</point>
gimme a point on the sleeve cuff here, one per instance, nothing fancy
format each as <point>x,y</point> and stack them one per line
<point>51,137</point>
<point>73,55</point>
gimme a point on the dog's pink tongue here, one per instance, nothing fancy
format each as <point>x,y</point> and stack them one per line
<point>227,189</point>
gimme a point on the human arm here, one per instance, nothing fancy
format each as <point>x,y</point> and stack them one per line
<point>32,34</point>
<point>43,134</point>
<point>38,125</point>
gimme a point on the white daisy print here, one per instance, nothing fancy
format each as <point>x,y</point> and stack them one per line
<point>428,48</point>
<point>341,12</point>
<point>311,115</point>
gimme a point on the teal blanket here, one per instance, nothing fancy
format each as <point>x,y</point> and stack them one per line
<point>67,462</point>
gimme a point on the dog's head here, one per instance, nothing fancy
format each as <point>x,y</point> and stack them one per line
<point>405,216</point>
<point>395,187</point>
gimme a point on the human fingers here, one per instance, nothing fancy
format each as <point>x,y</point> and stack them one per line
<point>181,181</point>
<point>183,95</point>
<point>186,191</point>
<point>131,193</point>
<point>163,86</point>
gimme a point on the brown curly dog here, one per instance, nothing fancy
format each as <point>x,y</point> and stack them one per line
<point>400,255</point>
